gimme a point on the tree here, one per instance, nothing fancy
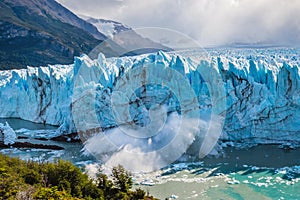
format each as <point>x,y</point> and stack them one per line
<point>52,194</point>
<point>138,194</point>
<point>122,178</point>
<point>105,184</point>
<point>62,180</point>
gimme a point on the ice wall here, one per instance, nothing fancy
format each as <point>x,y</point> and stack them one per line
<point>262,91</point>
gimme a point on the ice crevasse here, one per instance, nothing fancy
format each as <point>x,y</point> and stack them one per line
<point>262,91</point>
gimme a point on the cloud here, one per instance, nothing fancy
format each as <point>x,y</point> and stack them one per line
<point>208,21</point>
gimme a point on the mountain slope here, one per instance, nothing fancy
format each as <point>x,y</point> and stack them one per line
<point>57,11</point>
<point>125,36</point>
<point>38,33</point>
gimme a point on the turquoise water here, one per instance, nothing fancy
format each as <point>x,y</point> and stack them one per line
<point>211,183</point>
<point>17,123</point>
<point>260,172</point>
<point>30,132</point>
<point>265,183</point>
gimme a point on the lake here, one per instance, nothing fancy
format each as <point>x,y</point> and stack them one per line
<point>259,172</point>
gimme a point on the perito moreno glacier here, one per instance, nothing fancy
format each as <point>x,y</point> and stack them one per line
<point>261,92</point>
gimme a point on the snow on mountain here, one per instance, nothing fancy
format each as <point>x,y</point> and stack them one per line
<point>108,27</point>
<point>125,36</point>
<point>262,98</point>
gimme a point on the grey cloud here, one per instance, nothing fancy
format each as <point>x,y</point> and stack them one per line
<point>208,21</point>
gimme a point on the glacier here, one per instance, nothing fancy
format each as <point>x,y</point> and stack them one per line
<point>262,92</point>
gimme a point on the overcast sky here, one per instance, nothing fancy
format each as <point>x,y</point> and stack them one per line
<point>211,22</point>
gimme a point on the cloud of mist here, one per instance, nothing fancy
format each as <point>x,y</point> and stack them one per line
<point>211,22</point>
<point>118,147</point>
<point>115,146</point>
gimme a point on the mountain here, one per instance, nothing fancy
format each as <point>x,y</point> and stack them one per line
<point>51,8</point>
<point>42,32</point>
<point>35,33</point>
<point>125,36</point>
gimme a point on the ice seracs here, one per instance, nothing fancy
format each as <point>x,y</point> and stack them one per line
<point>262,91</point>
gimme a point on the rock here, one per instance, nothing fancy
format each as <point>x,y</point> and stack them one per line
<point>30,146</point>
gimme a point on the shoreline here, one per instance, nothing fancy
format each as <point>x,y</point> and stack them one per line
<point>266,155</point>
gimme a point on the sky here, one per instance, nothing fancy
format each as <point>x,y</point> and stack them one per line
<point>209,22</point>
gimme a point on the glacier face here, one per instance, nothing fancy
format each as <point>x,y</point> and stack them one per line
<point>262,91</point>
<point>37,94</point>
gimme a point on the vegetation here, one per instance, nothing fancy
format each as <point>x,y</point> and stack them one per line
<point>61,180</point>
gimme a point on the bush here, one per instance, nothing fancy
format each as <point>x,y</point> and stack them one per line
<point>32,177</point>
<point>62,180</point>
<point>52,194</point>
<point>9,186</point>
<point>138,194</point>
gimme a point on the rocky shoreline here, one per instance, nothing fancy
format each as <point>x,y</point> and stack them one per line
<point>30,145</point>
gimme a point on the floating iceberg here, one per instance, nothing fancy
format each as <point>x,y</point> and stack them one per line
<point>7,134</point>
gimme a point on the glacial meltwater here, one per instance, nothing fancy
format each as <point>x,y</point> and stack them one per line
<point>34,133</point>
<point>259,172</point>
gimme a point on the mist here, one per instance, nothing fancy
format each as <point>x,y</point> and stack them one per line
<point>210,22</point>
<point>116,146</point>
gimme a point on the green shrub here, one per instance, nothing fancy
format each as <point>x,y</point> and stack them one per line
<point>138,194</point>
<point>32,177</point>
<point>51,194</point>
<point>62,180</point>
